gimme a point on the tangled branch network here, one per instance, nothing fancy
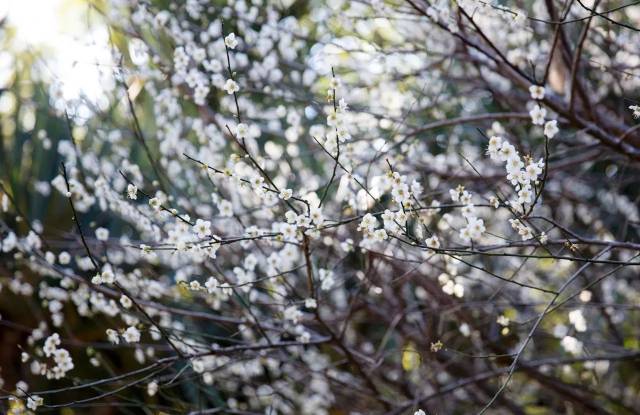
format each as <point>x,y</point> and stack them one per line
<point>344,207</point>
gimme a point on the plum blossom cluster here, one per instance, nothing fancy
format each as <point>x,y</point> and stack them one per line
<point>474,225</point>
<point>522,172</point>
<point>338,120</point>
<point>538,113</point>
<point>370,231</point>
<point>61,362</point>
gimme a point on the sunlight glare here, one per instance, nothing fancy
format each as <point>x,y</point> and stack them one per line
<point>73,44</point>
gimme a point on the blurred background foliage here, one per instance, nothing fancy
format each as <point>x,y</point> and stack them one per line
<point>57,83</point>
<point>40,68</point>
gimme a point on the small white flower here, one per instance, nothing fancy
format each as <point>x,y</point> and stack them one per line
<point>303,221</point>
<point>64,258</point>
<point>241,130</point>
<point>332,118</point>
<point>197,365</point>
<point>495,143</point>
<point>126,301</point>
<point>343,134</point>
<point>474,229</point>
<point>525,195</point>
<point>465,329</point>
<point>292,314</point>
<point>380,235</point>
<point>225,208</point>
<point>107,276</point>
<point>289,232</point>
<point>202,228</point>
<point>368,223</point>
<point>231,41</point>
<point>465,234</point>
<point>211,285</point>
<point>102,234</point>
<point>532,171</point>
<point>551,129</point>
<point>571,345</point>
<point>636,110</point>
<point>152,388</point>
<point>432,242</point>
<point>154,203</point>
<point>113,336</point>
<point>536,91</point>
<point>508,151</point>
<point>231,86</point>
<point>543,238</point>
<point>131,335</point>
<point>291,216</point>
<point>286,194</point>
<point>34,401</point>
<point>455,195</point>
<point>316,216</point>
<point>577,319</point>
<point>503,320</point>
<point>537,115</point>
<point>51,344</point>
<point>132,191</point>
<point>400,193</point>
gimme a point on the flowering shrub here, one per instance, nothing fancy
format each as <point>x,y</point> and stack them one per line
<point>354,207</point>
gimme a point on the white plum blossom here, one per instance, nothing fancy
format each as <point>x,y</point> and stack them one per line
<point>51,344</point>
<point>572,345</point>
<point>577,319</point>
<point>474,229</point>
<point>152,388</point>
<point>327,279</point>
<point>231,41</point>
<point>285,194</point>
<point>537,114</point>
<point>34,401</point>
<point>241,130</point>
<point>155,204</point>
<point>551,129</point>
<point>131,335</point>
<point>126,301</point>
<point>61,357</point>
<point>537,92</point>
<point>102,234</point>
<point>132,191</point>
<point>231,86</point>
<point>432,242</point>
<point>495,145</point>
<point>202,228</point>
<point>292,314</point>
<point>368,223</point>
<point>113,337</point>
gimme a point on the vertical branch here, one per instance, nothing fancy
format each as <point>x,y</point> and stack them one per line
<point>337,158</point>
<point>76,220</point>
<point>97,267</point>
<point>576,59</point>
